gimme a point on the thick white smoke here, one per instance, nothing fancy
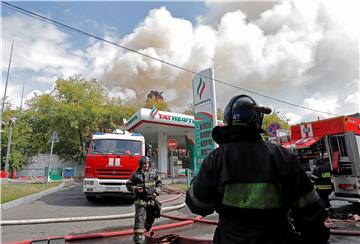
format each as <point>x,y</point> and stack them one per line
<point>304,52</point>
<point>167,38</point>
<point>296,51</point>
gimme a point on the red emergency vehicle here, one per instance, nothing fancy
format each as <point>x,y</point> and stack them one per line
<point>336,140</point>
<point>111,160</point>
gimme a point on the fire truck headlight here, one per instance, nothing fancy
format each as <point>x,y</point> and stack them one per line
<point>89,182</point>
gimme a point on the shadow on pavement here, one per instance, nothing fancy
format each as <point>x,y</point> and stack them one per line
<point>73,196</point>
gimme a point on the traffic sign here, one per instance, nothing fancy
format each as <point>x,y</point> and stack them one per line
<point>273,127</point>
<point>172,144</point>
<point>54,137</point>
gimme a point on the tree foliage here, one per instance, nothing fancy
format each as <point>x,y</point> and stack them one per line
<point>22,146</point>
<point>158,103</point>
<point>75,109</point>
<point>189,110</point>
<point>220,114</point>
<point>275,118</point>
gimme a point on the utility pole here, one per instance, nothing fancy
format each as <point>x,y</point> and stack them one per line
<point>5,90</point>
<point>7,78</point>
<point>11,125</point>
<point>22,95</point>
<point>54,138</point>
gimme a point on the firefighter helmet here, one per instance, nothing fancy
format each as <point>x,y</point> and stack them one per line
<point>243,110</point>
<point>241,114</point>
<point>143,160</point>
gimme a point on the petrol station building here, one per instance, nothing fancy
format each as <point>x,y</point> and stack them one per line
<point>158,127</point>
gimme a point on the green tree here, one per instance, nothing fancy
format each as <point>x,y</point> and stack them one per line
<point>22,147</point>
<point>40,113</point>
<point>158,103</point>
<point>275,118</point>
<point>189,110</point>
<point>75,109</point>
<point>77,106</point>
<point>220,114</point>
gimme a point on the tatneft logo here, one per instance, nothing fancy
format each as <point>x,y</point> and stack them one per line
<point>201,88</point>
<point>154,111</point>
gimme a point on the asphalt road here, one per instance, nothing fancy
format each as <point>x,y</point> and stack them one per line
<point>70,202</point>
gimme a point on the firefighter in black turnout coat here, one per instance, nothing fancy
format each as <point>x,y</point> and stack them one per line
<point>260,191</point>
<point>321,177</point>
<point>146,185</point>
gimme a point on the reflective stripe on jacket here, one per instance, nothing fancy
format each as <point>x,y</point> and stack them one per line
<point>321,176</point>
<point>253,185</point>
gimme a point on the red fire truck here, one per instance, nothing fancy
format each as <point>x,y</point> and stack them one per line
<point>111,160</point>
<point>336,140</point>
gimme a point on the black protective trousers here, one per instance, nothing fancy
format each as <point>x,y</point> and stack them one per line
<point>324,195</point>
<point>144,217</point>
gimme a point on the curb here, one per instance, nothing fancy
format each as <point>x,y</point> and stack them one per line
<point>32,197</point>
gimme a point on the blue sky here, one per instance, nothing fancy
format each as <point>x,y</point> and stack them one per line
<point>303,52</point>
<point>96,17</point>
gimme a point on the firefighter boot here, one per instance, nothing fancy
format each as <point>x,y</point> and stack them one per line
<point>147,227</point>
<point>138,239</point>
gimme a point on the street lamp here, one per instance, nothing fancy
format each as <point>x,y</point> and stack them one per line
<point>11,123</point>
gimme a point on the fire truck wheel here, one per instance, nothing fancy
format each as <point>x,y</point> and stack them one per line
<point>91,198</point>
<point>128,200</point>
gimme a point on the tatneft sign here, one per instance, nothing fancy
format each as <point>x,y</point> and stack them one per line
<point>205,114</point>
<point>160,117</point>
<point>204,95</point>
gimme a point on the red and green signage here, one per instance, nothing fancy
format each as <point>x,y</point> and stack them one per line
<point>205,115</point>
<point>204,143</point>
<point>156,114</point>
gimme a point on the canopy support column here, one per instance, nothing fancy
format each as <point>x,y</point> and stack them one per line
<point>162,152</point>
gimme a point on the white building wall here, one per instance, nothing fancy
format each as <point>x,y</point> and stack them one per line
<point>40,161</point>
<point>162,153</point>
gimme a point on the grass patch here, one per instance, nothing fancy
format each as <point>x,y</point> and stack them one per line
<point>13,191</point>
<point>179,186</point>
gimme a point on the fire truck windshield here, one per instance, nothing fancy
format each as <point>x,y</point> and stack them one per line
<point>113,146</point>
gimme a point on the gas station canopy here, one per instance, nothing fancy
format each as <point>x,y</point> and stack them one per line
<point>151,123</point>
<point>159,126</point>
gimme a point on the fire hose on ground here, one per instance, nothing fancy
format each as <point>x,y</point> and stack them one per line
<point>107,234</point>
<point>96,218</point>
<point>88,218</point>
<point>184,221</point>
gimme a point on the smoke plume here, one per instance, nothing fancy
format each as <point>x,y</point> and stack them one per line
<point>288,51</point>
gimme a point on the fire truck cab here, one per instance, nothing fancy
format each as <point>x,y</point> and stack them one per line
<point>337,141</point>
<point>110,162</point>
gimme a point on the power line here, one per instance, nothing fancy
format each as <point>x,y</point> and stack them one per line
<point>59,24</point>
